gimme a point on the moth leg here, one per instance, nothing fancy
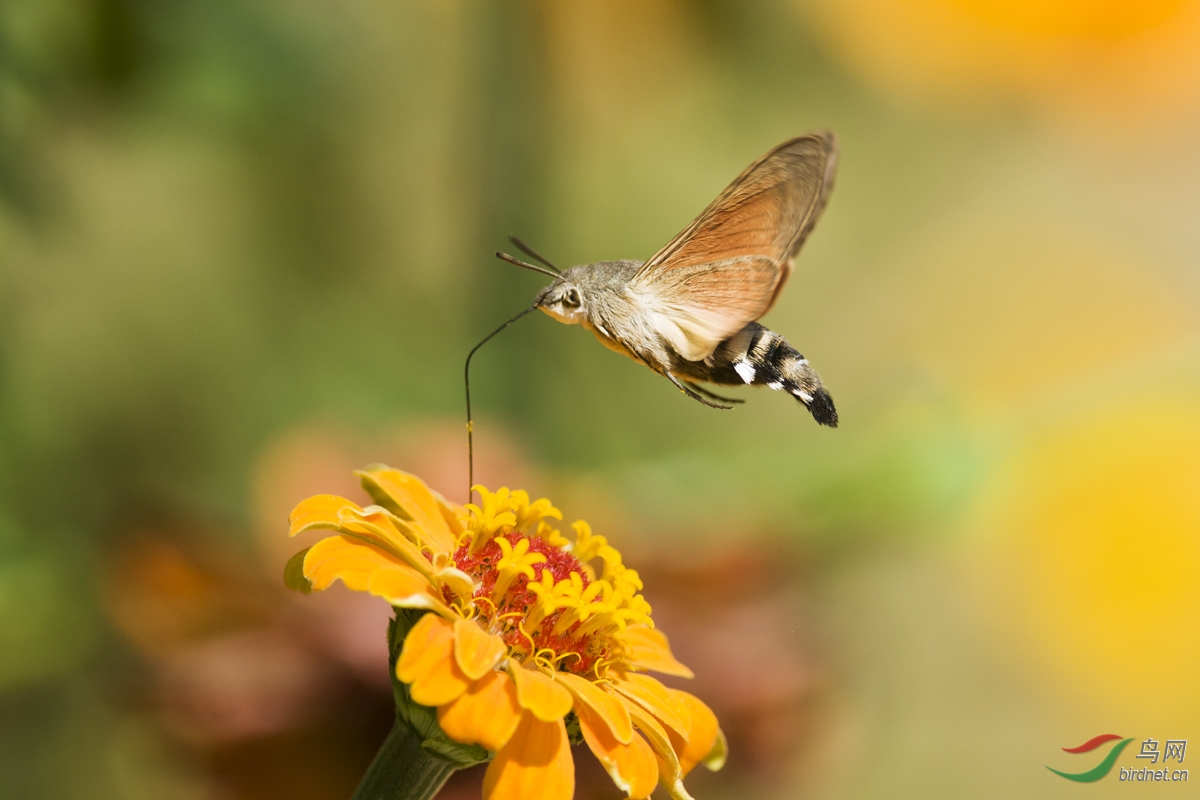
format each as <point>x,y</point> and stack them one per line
<point>692,394</point>
<point>712,395</point>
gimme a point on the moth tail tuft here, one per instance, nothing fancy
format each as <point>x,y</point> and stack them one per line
<point>821,407</point>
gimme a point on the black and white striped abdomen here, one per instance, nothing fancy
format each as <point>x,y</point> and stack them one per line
<point>760,357</point>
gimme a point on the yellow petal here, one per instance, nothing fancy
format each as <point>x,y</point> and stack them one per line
<point>343,557</point>
<point>631,765</point>
<point>540,694</point>
<point>405,588</point>
<point>647,648</point>
<point>476,650</point>
<point>316,512</point>
<point>536,764</point>
<point>669,773</point>
<point>337,513</point>
<point>409,497</point>
<point>429,641</point>
<point>653,696</point>
<point>487,713</point>
<point>328,511</point>
<point>444,683</point>
<point>610,710</point>
<point>703,738</point>
<point>379,522</point>
<point>427,663</point>
<point>452,514</point>
<point>456,581</point>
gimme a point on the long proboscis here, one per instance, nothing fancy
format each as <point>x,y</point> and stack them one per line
<point>467,384</point>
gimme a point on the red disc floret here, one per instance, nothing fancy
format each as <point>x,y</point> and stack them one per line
<point>481,566</point>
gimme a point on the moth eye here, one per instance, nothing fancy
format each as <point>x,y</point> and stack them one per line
<point>571,298</point>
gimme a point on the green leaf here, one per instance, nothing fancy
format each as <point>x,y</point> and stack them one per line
<point>293,574</point>
<point>423,719</point>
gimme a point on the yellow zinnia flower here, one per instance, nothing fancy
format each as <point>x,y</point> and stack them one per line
<point>522,640</point>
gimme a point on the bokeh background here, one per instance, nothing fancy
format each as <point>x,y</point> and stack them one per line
<point>245,247</point>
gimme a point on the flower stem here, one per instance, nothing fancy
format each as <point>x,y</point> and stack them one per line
<point>403,769</point>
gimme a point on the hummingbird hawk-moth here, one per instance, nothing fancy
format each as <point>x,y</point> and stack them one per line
<point>690,311</point>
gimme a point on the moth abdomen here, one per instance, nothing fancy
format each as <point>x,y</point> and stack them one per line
<point>757,356</point>
<point>822,408</point>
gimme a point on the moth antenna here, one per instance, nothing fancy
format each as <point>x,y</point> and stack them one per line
<point>519,263</point>
<point>529,251</point>
<point>467,384</point>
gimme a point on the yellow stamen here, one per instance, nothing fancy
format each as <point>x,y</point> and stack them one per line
<point>551,535</point>
<point>514,562</point>
<point>487,520</point>
<point>587,545</point>
<point>549,599</point>
<point>527,513</point>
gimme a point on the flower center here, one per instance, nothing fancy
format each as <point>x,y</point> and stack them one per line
<point>532,594</point>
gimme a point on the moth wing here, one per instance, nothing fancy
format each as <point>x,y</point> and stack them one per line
<point>726,268</point>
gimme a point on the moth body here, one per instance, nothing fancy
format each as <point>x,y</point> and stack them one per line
<point>597,296</point>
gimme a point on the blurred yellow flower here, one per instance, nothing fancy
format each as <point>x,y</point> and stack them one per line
<point>523,634</point>
<point>1093,564</point>
<point>1120,59</point>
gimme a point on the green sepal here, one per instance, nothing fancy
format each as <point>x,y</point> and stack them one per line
<point>467,755</point>
<point>720,751</point>
<point>574,732</point>
<point>423,719</point>
<point>293,574</point>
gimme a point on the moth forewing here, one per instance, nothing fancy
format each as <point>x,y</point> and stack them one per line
<point>725,269</point>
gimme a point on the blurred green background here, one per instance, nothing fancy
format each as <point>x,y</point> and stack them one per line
<point>245,247</point>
